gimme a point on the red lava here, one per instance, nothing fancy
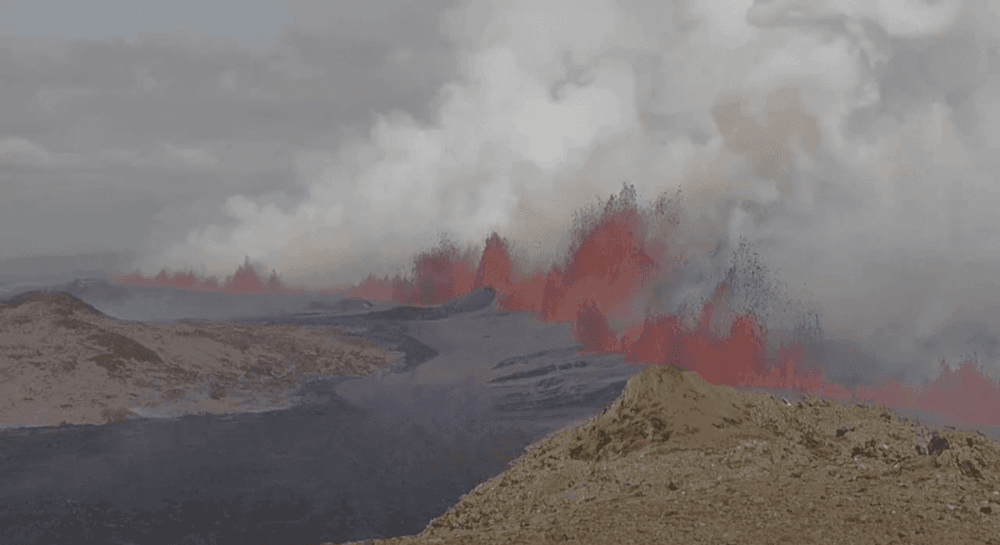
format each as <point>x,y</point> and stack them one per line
<point>614,262</point>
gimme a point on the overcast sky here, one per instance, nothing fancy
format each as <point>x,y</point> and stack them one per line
<point>853,141</point>
<point>125,124</point>
<point>250,22</point>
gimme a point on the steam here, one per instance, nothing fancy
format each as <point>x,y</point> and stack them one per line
<point>850,142</point>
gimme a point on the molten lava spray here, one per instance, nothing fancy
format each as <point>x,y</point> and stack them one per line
<point>853,142</point>
<point>495,267</point>
<point>246,280</point>
<point>608,267</point>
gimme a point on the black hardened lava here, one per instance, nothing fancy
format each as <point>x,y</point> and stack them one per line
<point>326,469</point>
<point>323,470</point>
<point>317,472</point>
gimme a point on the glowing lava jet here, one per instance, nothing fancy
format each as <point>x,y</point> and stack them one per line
<point>617,258</point>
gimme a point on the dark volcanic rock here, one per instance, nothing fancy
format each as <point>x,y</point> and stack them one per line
<point>349,304</point>
<point>477,300</point>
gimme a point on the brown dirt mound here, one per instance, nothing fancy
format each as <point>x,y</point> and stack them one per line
<point>677,460</point>
<point>662,406</point>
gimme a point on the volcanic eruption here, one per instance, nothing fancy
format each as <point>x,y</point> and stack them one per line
<point>838,145</point>
<point>608,271</point>
<point>524,202</point>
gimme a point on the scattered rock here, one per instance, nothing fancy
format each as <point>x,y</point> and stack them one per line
<point>937,445</point>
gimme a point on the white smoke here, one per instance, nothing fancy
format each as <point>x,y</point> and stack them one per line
<point>850,140</point>
<point>544,85</point>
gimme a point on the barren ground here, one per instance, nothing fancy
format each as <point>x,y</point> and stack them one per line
<point>672,460</point>
<point>62,361</point>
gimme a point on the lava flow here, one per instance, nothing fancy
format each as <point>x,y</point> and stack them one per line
<point>246,280</point>
<point>619,256</point>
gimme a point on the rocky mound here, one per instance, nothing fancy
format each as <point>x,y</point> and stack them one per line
<point>677,460</point>
<point>662,406</point>
<point>59,303</point>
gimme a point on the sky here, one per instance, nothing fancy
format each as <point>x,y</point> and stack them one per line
<point>123,125</point>
<point>250,22</point>
<point>851,141</point>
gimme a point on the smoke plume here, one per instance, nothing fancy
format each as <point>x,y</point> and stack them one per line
<point>849,142</point>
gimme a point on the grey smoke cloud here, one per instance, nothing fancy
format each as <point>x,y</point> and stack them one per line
<point>851,142</point>
<point>125,145</point>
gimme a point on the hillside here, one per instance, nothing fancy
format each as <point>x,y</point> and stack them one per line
<point>677,460</point>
